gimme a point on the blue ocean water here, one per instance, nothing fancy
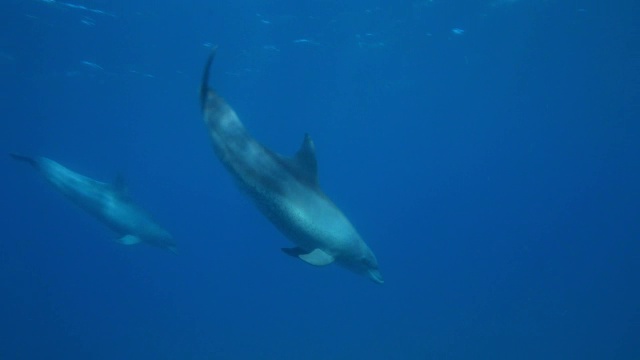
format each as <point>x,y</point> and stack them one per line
<point>487,151</point>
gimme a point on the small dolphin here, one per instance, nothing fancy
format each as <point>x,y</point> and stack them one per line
<point>109,203</point>
<point>286,190</point>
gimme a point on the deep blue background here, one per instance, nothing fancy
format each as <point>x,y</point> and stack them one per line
<point>495,174</point>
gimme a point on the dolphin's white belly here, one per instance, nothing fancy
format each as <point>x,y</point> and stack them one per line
<point>308,217</point>
<point>125,217</point>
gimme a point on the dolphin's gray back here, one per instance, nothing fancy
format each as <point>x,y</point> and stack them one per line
<point>255,167</point>
<point>66,181</point>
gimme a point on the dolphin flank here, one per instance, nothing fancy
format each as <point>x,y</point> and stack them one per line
<point>286,190</point>
<point>109,203</point>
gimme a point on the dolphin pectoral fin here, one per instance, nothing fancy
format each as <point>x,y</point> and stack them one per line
<point>317,257</point>
<point>129,240</point>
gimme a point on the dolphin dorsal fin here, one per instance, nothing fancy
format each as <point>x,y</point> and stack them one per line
<point>305,161</point>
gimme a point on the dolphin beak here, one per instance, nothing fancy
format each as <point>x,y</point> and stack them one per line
<point>376,276</point>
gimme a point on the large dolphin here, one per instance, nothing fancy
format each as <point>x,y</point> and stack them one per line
<point>109,203</point>
<point>286,190</point>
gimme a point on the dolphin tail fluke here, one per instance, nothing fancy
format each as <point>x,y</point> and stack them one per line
<point>26,159</point>
<point>204,85</point>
